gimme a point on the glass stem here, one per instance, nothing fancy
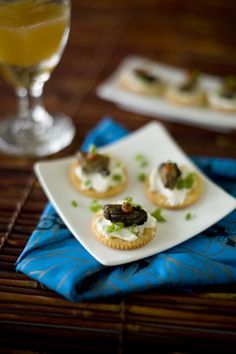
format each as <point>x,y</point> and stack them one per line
<point>30,106</point>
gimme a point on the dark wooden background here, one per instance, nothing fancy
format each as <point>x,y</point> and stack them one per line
<point>199,34</point>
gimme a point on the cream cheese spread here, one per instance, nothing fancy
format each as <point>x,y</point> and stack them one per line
<point>99,182</point>
<point>125,233</point>
<point>174,196</point>
<point>186,97</point>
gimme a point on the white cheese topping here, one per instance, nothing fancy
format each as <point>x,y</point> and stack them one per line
<point>125,233</point>
<point>221,102</point>
<point>185,96</point>
<point>174,196</point>
<point>99,182</point>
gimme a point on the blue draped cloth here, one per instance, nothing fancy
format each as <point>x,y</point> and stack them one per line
<point>57,260</point>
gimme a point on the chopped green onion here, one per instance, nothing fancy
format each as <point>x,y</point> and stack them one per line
<point>95,206</point>
<point>144,164</point>
<point>128,200</point>
<point>74,203</point>
<point>141,177</point>
<point>87,183</point>
<point>139,157</point>
<point>157,215</point>
<point>180,183</point>
<point>135,229</point>
<point>189,216</point>
<point>186,182</point>
<point>110,228</point>
<point>117,178</point>
<point>92,149</point>
<point>142,160</point>
<point>115,227</point>
<point>189,181</point>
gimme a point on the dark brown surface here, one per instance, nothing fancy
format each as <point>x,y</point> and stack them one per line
<point>186,34</point>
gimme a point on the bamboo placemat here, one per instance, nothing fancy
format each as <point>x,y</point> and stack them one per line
<point>33,319</point>
<point>25,305</point>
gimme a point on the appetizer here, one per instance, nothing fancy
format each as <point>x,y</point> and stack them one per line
<point>188,93</point>
<point>124,225</point>
<point>98,175</point>
<point>172,186</point>
<point>141,81</point>
<point>224,99</point>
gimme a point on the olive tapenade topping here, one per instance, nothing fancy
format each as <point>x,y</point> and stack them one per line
<point>170,174</point>
<point>115,213</point>
<point>91,163</point>
<point>145,76</point>
<point>190,84</point>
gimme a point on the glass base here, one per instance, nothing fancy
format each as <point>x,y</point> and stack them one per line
<point>18,137</point>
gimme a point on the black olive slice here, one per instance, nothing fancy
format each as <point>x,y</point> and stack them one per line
<point>115,213</point>
<point>92,163</point>
<point>169,173</point>
<point>145,76</point>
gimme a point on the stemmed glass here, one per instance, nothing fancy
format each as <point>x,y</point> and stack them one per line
<point>33,35</point>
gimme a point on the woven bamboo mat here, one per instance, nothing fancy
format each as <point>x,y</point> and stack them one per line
<point>26,305</point>
<point>36,320</point>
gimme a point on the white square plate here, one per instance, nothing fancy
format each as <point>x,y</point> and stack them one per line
<point>158,107</point>
<point>154,142</point>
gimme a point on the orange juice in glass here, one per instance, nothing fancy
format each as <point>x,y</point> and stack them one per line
<point>33,35</point>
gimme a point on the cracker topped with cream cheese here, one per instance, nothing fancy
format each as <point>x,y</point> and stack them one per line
<point>124,225</point>
<point>173,186</point>
<point>98,175</point>
<point>141,80</point>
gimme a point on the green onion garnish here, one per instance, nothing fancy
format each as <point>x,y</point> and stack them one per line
<point>186,182</point>
<point>157,215</point>
<point>74,203</point>
<point>128,200</point>
<point>189,216</point>
<point>135,229</point>
<point>141,177</point>
<point>95,206</point>
<point>142,160</point>
<point>115,227</point>
<point>87,183</point>
<point>117,178</point>
<point>92,149</point>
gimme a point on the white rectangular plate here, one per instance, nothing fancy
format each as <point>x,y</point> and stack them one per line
<point>157,107</point>
<point>154,142</point>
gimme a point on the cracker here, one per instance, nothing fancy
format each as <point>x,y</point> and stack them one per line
<point>176,97</point>
<point>92,193</point>
<point>142,89</point>
<point>117,243</point>
<point>219,108</point>
<point>161,201</point>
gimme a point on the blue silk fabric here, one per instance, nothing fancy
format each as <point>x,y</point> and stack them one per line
<point>56,259</point>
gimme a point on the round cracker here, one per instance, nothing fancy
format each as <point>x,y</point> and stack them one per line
<point>92,193</point>
<point>161,201</point>
<point>219,108</point>
<point>117,243</point>
<point>141,88</point>
<point>223,110</point>
<point>176,97</point>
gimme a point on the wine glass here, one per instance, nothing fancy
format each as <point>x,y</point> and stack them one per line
<point>33,35</point>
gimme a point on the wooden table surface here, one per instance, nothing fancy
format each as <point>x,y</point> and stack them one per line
<point>33,319</point>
